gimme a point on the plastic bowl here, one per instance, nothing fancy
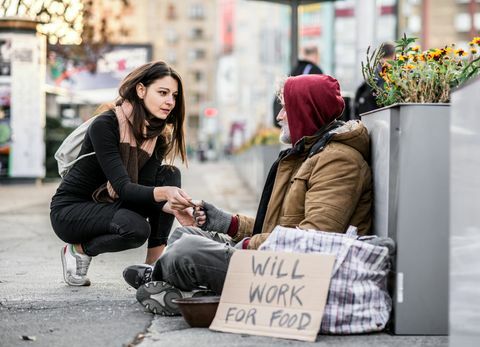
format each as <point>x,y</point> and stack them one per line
<point>198,311</point>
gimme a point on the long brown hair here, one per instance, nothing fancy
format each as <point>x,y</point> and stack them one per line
<point>171,130</point>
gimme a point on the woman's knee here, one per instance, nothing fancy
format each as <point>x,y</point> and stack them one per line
<point>131,226</point>
<point>169,175</point>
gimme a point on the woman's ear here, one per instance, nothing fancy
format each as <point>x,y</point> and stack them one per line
<point>140,88</point>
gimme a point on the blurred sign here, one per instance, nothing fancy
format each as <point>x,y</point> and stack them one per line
<point>210,112</point>
<point>22,104</point>
<point>110,68</point>
<point>274,294</point>
<point>5,56</point>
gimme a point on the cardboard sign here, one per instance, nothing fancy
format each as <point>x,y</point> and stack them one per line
<point>274,294</point>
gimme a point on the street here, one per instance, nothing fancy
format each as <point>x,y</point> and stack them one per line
<point>38,309</point>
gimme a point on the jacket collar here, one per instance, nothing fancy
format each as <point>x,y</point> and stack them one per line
<point>315,143</point>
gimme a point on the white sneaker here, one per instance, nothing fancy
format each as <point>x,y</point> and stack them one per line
<point>75,266</point>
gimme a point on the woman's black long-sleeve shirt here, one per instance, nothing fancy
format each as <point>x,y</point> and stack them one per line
<point>89,173</point>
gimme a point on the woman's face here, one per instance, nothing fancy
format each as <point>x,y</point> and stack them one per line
<point>160,96</point>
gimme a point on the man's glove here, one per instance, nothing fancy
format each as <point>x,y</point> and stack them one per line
<point>217,219</point>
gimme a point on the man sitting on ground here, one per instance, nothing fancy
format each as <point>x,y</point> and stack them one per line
<point>323,182</point>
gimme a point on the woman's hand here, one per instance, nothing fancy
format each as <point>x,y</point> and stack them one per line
<point>177,198</point>
<point>184,217</point>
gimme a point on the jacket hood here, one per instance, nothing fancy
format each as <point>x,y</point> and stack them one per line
<point>311,101</point>
<point>354,134</point>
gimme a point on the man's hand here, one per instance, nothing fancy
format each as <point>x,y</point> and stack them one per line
<point>184,217</point>
<point>210,218</point>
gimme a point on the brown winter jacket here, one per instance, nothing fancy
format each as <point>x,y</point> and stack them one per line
<point>328,191</point>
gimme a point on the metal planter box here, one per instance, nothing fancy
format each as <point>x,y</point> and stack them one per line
<point>410,163</point>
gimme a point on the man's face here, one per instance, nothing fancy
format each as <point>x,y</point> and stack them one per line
<point>283,122</point>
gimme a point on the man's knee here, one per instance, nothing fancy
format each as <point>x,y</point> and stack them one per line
<point>185,246</point>
<point>195,250</point>
<point>180,231</point>
<point>184,252</point>
<point>194,261</point>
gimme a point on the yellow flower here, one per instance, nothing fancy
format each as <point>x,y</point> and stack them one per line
<point>416,48</point>
<point>460,52</point>
<point>436,54</point>
<point>409,66</point>
<point>400,57</point>
<point>476,40</point>
<point>448,49</point>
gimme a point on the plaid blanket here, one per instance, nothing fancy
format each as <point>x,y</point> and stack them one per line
<point>358,301</point>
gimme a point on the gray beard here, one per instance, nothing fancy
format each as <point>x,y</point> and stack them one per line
<point>285,136</point>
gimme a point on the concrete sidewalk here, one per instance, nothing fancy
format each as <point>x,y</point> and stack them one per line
<point>35,302</point>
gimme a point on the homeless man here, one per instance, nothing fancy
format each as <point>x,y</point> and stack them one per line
<point>321,182</point>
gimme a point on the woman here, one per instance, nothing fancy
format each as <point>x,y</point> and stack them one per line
<point>103,203</point>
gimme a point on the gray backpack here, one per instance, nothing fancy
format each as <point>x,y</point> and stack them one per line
<point>67,153</point>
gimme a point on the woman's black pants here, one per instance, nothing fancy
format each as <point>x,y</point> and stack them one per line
<point>114,227</point>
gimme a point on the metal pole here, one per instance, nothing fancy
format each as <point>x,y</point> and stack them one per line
<point>425,37</point>
<point>365,24</point>
<point>294,34</point>
<point>471,9</point>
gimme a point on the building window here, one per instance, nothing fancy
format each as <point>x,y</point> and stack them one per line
<point>196,54</point>
<point>193,121</point>
<point>172,57</point>
<point>197,11</point>
<point>171,35</point>
<point>414,24</point>
<point>196,97</point>
<point>171,12</point>
<point>197,75</point>
<point>196,33</point>
<point>462,22</point>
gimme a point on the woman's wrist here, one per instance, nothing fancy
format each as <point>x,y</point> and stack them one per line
<point>159,194</point>
<point>166,208</point>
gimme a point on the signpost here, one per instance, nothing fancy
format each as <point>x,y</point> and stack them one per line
<point>22,105</point>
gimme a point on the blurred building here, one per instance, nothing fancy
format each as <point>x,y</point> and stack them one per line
<point>357,26</point>
<point>253,54</point>
<point>182,33</point>
<point>440,22</point>
<point>231,53</point>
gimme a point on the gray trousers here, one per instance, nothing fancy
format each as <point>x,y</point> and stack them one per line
<point>195,259</point>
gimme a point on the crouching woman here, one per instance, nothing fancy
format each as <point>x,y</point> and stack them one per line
<point>123,196</point>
